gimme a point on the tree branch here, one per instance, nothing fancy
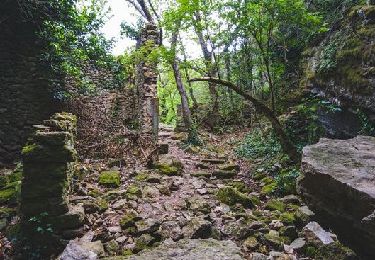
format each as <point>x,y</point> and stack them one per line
<point>285,142</point>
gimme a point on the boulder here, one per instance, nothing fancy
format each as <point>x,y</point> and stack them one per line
<point>83,248</point>
<point>338,183</point>
<point>192,249</point>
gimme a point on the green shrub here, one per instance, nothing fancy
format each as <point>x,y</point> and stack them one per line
<point>259,144</point>
<point>286,181</point>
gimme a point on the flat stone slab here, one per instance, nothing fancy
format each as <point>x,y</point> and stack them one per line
<point>189,249</point>
<point>338,183</point>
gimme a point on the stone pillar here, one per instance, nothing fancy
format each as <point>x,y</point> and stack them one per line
<point>146,81</point>
<point>48,158</point>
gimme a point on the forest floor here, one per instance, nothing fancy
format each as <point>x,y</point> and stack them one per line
<point>196,193</point>
<point>195,203</point>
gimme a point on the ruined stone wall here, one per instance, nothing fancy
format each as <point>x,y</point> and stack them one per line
<point>25,94</point>
<point>105,122</point>
<point>146,82</point>
<point>48,161</point>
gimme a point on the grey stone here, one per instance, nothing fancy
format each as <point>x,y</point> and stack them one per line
<point>83,248</point>
<point>315,233</point>
<point>258,256</point>
<point>338,184</point>
<point>170,229</point>
<point>197,228</point>
<point>192,249</point>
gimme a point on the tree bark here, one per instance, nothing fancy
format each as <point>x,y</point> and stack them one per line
<point>186,113</point>
<point>285,142</point>
<point>211,72</point>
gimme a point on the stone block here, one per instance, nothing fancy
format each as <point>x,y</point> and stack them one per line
<point>339,186</point>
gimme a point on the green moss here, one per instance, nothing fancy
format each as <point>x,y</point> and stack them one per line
<point>95,193</point>
<point>126,252</point>
<point>110,178</point>
<point>128,220</point>
<point>275,205</point>
<point>103,204</point>
<point>29,148</point>
<point>269,188</point>
<point>240,186</point>
<point>168,169</point>
<point>143,242</point>
<point>133,191</point>
<point>10,193</point>
<point>259,176</point>
<point>141,176</point>
<point>7,212</point>
<point>232,196</point>
<point>267,180</point>
<point>287,218</point>
<point>334,250</point>
<point>255,200</point>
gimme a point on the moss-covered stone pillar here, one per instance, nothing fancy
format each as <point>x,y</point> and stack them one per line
<point>48,159</point>
<point>146,81</point>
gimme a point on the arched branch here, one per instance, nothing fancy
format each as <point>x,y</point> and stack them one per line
<point>285,142</point>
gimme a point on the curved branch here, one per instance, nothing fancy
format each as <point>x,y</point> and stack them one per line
<point>285,142</point>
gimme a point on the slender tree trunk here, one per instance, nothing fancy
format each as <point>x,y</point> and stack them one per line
<point>186,113</point>
<point>211,72</point>
<point>285,142</point>
<point>191,91</point>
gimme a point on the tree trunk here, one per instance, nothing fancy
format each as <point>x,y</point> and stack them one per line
<point>186,113</point>
<point>211,72</point>
<point>285,142</point>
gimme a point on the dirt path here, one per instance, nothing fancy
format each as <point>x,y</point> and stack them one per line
<point>193,194</point>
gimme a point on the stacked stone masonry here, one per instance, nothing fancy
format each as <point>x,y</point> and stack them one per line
<point>146,81</point>
<point>48,160</point>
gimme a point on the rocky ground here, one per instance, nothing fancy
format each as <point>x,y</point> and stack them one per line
<point>196,203</point>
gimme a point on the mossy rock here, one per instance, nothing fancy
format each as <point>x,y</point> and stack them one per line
<point>240,186</point>
<point>95,193</point>
<point>232,196</point>
<point>102,204</point>
<point>333,250</point>
<point>202,174</point>
<point>133,191</point>
<point>274,240</point>
<point>269,188</point>
<point>10,193</point>
<point>255,200</point>
<point>110,179</point>
<point>7,212</point>
<point>275,205</point>
<point>267,180</point>
<point>287,218</point>
<point>229,167</point>
<point>143,242</point>
<point>168,170</point>
<point>141,176</point>
<point>251,243</point>
<point>259,176</point>
<point>222,174</point>
<point>128,220</point>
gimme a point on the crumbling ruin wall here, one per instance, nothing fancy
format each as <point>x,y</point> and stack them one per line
<point>146,82</point>
<point>48,158</point>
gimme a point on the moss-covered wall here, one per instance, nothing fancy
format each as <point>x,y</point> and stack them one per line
<point>25,95</point>
<point>342,67</point>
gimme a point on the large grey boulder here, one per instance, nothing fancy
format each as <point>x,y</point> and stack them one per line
<point>338,183</point>
<point>192,249</point>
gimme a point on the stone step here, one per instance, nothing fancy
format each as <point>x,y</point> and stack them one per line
<point>213,161</point>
